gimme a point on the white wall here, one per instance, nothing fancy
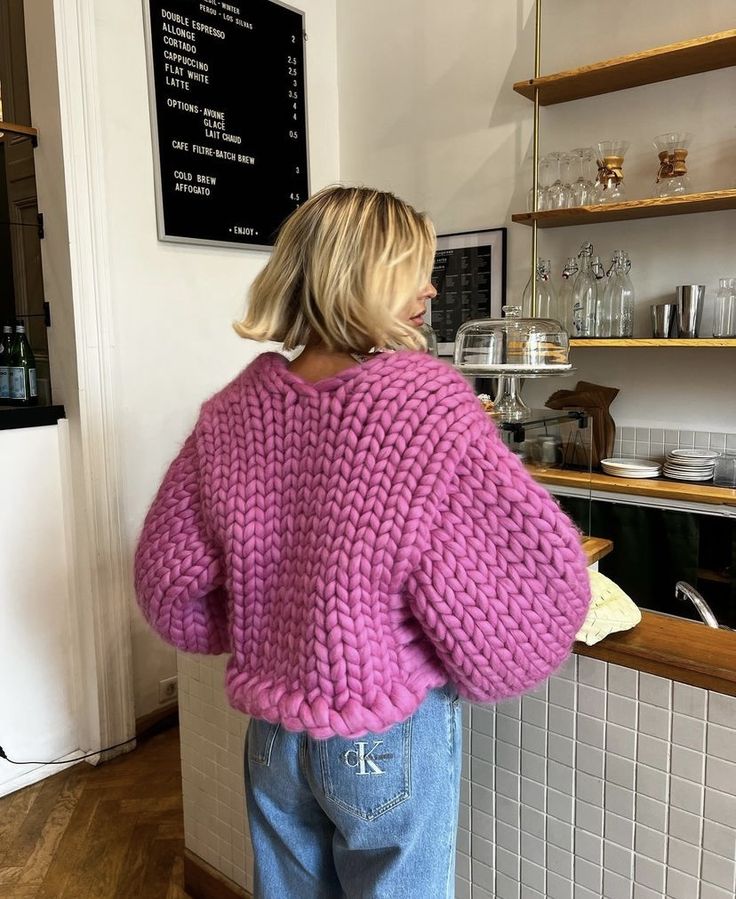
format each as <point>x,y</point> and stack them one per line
<point>427,109</point>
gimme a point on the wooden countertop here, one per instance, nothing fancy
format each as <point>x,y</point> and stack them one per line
<point>596,548</point>
<point>675,648</point>
<point>652,487</point>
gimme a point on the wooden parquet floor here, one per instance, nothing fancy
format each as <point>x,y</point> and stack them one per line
<point>111,832</point>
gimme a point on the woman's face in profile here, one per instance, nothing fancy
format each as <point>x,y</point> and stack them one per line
<point>417,309</point>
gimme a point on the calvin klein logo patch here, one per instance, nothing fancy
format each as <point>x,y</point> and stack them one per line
<point>364,759</point>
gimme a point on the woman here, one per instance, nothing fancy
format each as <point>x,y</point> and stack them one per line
<point>350,528</point>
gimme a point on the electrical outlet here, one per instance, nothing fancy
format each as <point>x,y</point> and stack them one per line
<point>168,690</point>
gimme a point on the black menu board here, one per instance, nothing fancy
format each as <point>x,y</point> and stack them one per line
<point>469,275</point>
<point>462,278</point>
<point>229,116</point>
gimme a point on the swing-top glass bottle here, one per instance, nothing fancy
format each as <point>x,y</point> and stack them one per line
<point>547,302</point>
<point>615,315</point>
<point>584,295</point>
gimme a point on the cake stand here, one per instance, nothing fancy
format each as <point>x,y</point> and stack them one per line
<point>508,404</point>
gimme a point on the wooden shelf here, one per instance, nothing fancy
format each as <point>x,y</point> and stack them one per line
<point>654,487</point>
<point>702,54</point>
<point>652,207</point>
<point>10,132</point>
<point>613,342</point>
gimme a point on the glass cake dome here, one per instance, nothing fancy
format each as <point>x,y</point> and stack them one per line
<point>512,348</point>
<point>531,347</point>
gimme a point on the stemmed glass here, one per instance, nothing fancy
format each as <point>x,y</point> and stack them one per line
<point>567,176</point>
<point>544,182</point>
<point>547,176</point>
<point>559,195</point>
<point>565,180</point>
<point>585,169</point>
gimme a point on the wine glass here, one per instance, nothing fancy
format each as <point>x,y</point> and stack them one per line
<point>559,193</point>
<point>541,190</point>
<point>547,174</point>
<point>585,169</point>
<point>567,176</point>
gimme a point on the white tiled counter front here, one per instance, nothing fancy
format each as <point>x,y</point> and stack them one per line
<point>603,783</point>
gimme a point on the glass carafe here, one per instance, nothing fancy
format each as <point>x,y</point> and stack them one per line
<point>615,316</point>
<point>547,301</point>
<point>724,319</point>
<point>609,186</point>
<point>584,295</point>
<point>672,177</point>
<point>565,294</point>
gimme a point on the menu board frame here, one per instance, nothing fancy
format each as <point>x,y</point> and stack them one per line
<point>467,244</point>
<point>163,234</point>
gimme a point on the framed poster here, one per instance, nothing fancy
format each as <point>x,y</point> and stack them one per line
<point>229,118</point>
<point>469,276</point>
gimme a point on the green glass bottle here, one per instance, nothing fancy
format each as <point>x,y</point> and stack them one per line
<point>6,346</point>
<point>23,387</point>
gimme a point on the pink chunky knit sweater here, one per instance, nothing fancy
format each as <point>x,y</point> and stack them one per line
<point>356,542</point>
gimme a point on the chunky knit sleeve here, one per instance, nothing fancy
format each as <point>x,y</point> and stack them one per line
<point>178,569</point>
<point>502,587</point>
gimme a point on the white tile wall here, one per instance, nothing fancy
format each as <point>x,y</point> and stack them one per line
<point>632,808</point>
<point>212,739</point>
<point>655,443</point>
<point>596,785</point>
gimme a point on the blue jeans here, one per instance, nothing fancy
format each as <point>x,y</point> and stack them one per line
<point>368,818</point>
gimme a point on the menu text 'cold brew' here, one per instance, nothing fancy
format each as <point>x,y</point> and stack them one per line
<point>230,118</point>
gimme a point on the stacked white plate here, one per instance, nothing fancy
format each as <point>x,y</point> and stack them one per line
<point>631,468</point>
<point>690,464</point>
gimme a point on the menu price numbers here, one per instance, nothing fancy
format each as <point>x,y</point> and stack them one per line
<point>292,70</point>
<point>292,64</point>
<point>294,96</point>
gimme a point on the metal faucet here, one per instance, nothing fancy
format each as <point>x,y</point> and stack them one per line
<point>684,591</point>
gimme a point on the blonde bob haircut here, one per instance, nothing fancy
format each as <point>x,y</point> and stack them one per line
<point>344,270</point>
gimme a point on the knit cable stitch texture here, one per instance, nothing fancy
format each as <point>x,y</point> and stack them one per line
<point>354,543</point>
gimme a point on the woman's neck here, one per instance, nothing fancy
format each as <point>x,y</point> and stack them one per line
<point>317,361</point>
